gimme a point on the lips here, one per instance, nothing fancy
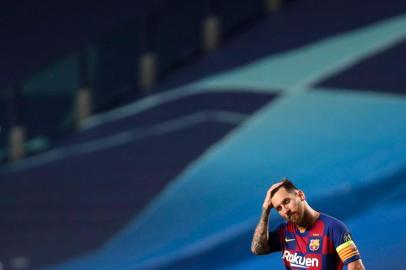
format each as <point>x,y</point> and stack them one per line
<point>291,216</point>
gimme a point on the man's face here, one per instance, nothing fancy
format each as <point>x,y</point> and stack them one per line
<point>289,204</point>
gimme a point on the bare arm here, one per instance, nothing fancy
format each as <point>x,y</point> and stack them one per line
<point>356,265</point>
<point>260,243</point>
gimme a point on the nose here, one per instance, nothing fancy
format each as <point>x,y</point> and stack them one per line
<point>285,210</point>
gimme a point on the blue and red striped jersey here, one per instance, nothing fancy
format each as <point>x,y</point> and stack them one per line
<point>326,245</point>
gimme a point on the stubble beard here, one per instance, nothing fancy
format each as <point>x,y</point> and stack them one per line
<point>297,216</point>
<point>294,218</point>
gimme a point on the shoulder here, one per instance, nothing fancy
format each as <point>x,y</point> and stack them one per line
<point>336,230</point>
<point>332,223</point>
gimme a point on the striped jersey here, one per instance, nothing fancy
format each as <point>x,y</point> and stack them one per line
<point>326,245</point>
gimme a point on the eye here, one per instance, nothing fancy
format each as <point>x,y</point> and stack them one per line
<point>286,201</point>
<point>278,208</point>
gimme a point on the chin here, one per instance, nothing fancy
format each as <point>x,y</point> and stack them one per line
<point>295,221</point>
<point>294,218</point>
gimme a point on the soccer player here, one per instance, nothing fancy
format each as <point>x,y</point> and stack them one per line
<point>309,239</point>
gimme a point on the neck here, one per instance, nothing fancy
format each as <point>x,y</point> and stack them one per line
<point>309,218</point>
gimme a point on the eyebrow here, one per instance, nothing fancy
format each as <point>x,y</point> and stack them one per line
<point>281,202</point>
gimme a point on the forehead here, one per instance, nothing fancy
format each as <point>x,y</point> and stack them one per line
<point>281,195</point>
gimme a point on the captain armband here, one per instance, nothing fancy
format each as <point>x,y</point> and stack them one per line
<point>347,250</point>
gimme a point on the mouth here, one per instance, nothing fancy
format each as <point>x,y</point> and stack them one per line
<point>292,216</point>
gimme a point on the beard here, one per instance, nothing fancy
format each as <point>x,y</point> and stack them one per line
<point>297,216</point>
<point>294,217</point>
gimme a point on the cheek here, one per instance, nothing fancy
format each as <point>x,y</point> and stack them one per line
<point>297,205</point>
<point>301,206</point>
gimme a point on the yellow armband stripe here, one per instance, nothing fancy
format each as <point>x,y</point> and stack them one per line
<point>347,250</point>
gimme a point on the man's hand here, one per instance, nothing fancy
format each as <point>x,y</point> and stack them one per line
<point>260,243</point>
<point>267,205</point>
<point>356,265</point>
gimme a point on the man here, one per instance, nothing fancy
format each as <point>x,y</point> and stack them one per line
<point>309,239</point>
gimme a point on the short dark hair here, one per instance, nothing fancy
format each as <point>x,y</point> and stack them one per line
<point>287,184</point>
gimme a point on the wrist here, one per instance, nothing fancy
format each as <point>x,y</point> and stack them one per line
<point>266,208</point>
<point>266,211</point>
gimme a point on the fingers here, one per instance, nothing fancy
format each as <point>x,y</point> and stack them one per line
<point>275,186</point>
<point>268,200</point>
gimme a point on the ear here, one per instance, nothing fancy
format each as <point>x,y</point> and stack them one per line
<point>301,195</point>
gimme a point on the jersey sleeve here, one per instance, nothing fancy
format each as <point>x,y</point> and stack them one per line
<point>343,243</point>
<point>275,239</point>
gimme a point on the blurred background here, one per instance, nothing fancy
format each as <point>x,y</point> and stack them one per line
<point>144,134</point>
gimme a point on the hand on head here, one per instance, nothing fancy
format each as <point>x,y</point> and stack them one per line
<point>267,205</point>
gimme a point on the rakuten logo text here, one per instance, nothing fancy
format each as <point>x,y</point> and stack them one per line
<point>299,261</point>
